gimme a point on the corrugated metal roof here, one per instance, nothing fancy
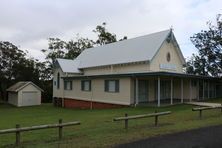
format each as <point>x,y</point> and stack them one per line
<point>137,49</point>
<point>132,50</point>
<point>16,86</point>
<point>69,66</point>
<point>19,85</point>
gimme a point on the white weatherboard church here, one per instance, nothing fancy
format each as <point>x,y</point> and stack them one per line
<point>146,69</point>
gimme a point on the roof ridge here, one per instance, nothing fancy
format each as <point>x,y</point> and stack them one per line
<point>16,87</point>
<point>127,39</point>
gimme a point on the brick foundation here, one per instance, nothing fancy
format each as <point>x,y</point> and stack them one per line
<point>73,103</point>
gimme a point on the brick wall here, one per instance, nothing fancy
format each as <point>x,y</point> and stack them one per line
<point>73,103</point>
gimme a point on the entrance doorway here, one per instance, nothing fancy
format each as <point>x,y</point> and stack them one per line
<point>143,88</point>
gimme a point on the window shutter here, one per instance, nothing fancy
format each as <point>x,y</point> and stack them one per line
<point>89,85</point>
<point>82,85</point>
<point>70,85</point>
<point>106,85</point>
<point>117,85</point>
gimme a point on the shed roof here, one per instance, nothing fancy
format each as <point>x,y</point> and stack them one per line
<point>137,49</point>
<point>19,85</point>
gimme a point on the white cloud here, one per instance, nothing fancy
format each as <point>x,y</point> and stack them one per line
<point>29,23</point>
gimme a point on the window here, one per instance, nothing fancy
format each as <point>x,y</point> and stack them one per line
<point>58,81</point>
<point>112,85</point>
<point>68,85</point>
<point>86,85</point>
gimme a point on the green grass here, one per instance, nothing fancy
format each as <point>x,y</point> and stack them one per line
<point>97,128</point>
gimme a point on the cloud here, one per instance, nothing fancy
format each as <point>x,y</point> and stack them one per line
<point>28,23</point>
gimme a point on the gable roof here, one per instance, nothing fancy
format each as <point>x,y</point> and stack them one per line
<point>69,66</point>
<point>20,85</point>
<point>138,49</point>
<point>127,51</point>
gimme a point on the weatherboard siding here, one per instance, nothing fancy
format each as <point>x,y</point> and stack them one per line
<point>12,98</point>
<point>137,67</point>
<point>58,92</point>
<point>98,94</point>
<point>115,69</point>
<point>161,58</point>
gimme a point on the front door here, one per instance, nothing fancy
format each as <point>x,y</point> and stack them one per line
<point>143,91</point>
<point>165,90</point>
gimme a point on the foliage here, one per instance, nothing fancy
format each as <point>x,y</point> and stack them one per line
<point>208,61</point>
<point>76,47</point>
<point>67,50</point>
<point>15,66</point>
<point>104,37</point>
<point>55,49</point>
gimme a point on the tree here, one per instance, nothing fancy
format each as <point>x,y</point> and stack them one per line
<point>196,65</point>
<point>10,58</point>
<point>67,50</point>
<point>55,50</point>
<point>105,37</point>
<point>208,61</point>
<point>15,66</point>
<point>74,48</point>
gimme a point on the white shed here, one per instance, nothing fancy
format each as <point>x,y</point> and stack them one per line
<point>24,94</point>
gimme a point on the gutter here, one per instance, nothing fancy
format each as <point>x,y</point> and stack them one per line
<point>145,74</point>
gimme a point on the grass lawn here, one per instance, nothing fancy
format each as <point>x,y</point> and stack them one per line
<point>97,128</point>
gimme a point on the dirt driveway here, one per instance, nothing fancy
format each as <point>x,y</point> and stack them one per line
<point>209,137</point>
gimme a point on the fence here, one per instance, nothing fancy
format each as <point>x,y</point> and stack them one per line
<point>127,118</point>
<point>19,129</point>
<point>200,109</point>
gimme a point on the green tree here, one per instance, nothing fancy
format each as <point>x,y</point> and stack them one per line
<point>104,37</point>
<point>11,58</point>
<point>208,61</point>
<point>15,66</point>
<point>56,49</point>
<point>74,48</point>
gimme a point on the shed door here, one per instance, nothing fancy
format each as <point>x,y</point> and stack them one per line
<point>29,98</point>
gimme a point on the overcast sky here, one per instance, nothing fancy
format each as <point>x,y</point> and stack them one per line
<point>28,23</point>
